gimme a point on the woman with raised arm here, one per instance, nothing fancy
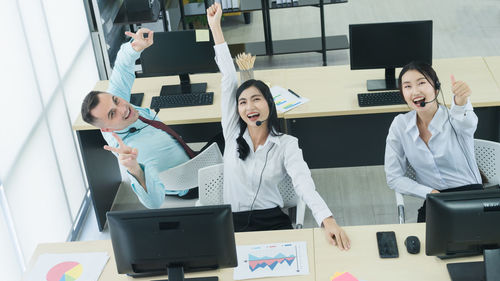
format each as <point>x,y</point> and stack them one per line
<point>257,157</point>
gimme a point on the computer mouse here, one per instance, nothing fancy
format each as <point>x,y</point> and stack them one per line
<point>412,244</point>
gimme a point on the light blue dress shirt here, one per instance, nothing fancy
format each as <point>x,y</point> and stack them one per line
<point>158,151</point>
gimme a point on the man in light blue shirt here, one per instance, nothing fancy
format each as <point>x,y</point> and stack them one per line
<point>143,150</point>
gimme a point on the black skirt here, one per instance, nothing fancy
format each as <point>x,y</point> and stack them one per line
<point>259,220</point>
<point>421,211</point>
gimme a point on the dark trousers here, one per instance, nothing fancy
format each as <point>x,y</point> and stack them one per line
<point>421,211</point>
<point>258,220</point>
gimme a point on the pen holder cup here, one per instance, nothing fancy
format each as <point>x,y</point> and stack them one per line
<point>246,75</point>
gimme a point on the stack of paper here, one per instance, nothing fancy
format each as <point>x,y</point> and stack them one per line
<point>77,266</point>
<point>285,100</point>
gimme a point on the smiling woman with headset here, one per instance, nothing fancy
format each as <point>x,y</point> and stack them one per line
<point>257,157</point>
<point>437,142</point>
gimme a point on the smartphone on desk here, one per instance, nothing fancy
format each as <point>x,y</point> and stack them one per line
<point>387,245</point>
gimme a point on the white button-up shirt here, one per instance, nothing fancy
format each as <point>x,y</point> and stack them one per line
<point>280,155</point>
<point>447,162</point>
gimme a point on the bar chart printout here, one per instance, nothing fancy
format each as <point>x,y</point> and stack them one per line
<point>271,260</point>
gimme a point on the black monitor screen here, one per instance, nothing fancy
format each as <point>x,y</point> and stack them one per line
<point>464,223</point>
<point>173,240</point>
<point>178,52</point>
<point>389,45</point>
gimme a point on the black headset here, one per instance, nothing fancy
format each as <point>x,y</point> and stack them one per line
<point>134,129</point>
<point>257,193</point>
<point>437,87</point>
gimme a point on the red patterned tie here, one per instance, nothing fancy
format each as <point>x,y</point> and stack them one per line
<point>162,126</point>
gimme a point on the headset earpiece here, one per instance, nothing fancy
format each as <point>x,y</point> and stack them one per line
<point>437,85</point>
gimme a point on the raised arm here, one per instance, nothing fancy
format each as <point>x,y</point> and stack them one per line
<point>123,76</point>
<point>463,116</point>
<point>229,82</point>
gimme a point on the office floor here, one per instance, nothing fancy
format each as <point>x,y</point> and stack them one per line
<point>356,195</point>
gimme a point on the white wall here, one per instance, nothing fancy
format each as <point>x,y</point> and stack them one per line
<point>50,66</point>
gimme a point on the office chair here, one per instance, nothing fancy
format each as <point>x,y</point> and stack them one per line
<point>211,182</point>
<point>488,160</point>
<point>185,176</point>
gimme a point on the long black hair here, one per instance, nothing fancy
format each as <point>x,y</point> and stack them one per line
<point>272,121</point>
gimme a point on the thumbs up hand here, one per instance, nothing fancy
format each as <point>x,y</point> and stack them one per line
<point>461,91</point>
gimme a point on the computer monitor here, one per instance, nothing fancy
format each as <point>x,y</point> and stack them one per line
<point>173,241</point>
<point>389,45</point>
<point>465,223</point>
<point>179,53</point>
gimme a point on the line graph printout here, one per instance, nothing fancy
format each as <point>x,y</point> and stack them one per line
<point>271,260</point>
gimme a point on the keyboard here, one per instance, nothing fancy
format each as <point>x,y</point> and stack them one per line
<point>181,100</point>
<point>380,98</point>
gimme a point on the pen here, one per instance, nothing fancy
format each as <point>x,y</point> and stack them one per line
<point>293,93</point>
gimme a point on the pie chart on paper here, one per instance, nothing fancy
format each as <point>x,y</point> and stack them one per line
<point>65,271</point>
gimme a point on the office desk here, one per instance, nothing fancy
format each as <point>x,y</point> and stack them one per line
<point>363,261</point>
<point>110,274</point>
<point>333,130</point>
<point>493,64</point>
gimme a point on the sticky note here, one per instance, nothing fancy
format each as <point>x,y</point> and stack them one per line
<point>337,274</point>
<point>202,35</point>
<point>346,276</point>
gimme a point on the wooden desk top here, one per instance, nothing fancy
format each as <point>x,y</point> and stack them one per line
<point>171,116</point>
<point>332,90</point>
<point>363,261</point>
<point>493,64</point>
<point>110,274</point>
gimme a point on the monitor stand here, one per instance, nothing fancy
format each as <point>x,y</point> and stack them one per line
<point>176,273</point>
<point>184,88</point>
<point>488,270</point>
<point>389,83</point>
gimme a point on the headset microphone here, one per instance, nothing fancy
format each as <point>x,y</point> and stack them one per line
<point>134,129</point>
<point>423,103</point>
<point>258,123</point>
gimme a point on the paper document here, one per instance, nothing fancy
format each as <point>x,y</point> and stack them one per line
<point>271,260</point>
<point>76,266</point>
<point>285,100</point>
<point>236,4</point>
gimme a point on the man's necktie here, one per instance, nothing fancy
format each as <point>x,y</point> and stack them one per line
<point>162,126</point>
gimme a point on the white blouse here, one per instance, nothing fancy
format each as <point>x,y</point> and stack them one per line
<point>447,162</point>
<point>267,166</point>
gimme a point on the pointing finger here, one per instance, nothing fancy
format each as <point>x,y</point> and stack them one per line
<point>452,77</point>
<point>118,139</point>
<point>112,149</point>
